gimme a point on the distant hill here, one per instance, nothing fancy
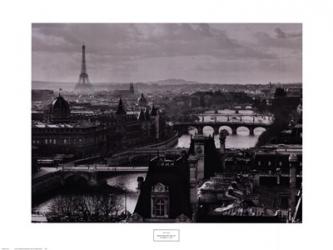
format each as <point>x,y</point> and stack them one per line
<point>174,81</point>
<point>69,86</point>
<point>52,85</point>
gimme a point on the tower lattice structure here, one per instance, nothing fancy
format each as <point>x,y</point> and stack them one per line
<point>83,84</point>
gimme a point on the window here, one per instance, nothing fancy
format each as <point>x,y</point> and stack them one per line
<point>159,207</point>
<point>160,188</point>
<point>269,163</point>
<point>280,163</point>
<point>259,163</point>
<point>160,201</point>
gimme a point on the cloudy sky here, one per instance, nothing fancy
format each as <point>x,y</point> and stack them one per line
<point>219,53</point>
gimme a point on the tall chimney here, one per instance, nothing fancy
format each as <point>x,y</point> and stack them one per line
<point>292,182</point>
<point>140,181</point>
<point>222,136</point>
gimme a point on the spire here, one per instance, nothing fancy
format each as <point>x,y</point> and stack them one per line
<point>131,88</point>
<point>154,111</point>
<point>120,109</point>
<point>147,114</point>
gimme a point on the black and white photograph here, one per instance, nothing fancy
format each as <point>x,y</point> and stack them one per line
<point>166,122</point>
<point>179,124</point>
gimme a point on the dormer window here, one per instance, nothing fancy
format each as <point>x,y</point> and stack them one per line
<point>160,201</point>
<point>159,208</point>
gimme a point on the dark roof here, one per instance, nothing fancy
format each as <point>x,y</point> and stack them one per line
<point>208,218</point>
<point>60,106</point>
<point>176,178</point>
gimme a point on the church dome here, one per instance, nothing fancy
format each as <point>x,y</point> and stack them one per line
<point>60,106</point>
<point>142,102</point>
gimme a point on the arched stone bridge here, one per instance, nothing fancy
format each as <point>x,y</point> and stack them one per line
<point>91,175</point>
<point>232,117</point>
<point>134,156</point>
<point>183,127</point>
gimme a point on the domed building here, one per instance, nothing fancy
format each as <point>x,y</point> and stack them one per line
<point>59,110</point>
<point>142,101</point>
<point>62,131</point>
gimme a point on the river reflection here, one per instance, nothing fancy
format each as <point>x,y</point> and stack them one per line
<point>241,140</point>
<point>127,182</point>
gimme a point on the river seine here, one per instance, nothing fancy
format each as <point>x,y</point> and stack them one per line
<point>128,182</point>
<point>241,140</point>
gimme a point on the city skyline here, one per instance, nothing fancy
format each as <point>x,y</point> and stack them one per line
<point>208,53</point>
<point>136,148</point>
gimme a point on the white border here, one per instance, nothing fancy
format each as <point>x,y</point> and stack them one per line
<point>15,227</point>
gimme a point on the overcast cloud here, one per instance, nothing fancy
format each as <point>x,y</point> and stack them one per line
<point>221,53</point>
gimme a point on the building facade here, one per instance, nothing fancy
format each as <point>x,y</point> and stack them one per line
<point>60,132</point>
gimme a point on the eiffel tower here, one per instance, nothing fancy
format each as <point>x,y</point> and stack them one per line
<point>84,86</point>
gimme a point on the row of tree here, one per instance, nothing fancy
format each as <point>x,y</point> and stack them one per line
<point>90,208</point>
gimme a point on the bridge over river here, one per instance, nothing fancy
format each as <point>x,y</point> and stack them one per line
<point>234,117</point>
<point>93,174</point>
<point>183,127</point>
<point>102,168</point>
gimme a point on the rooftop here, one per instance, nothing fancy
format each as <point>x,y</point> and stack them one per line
<point>280,149</point>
